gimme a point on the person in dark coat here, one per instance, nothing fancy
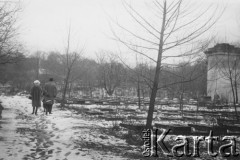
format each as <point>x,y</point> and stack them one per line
<point>50,92</point>
<point>36,93</point>
<point>1,108</point>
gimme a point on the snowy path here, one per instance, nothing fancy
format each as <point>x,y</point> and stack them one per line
<point>62,135</point>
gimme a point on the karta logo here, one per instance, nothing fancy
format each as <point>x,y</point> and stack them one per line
<point>152,143</point>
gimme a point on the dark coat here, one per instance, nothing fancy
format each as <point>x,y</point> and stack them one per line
<point>1,107</point>
<point>36,93</point>
<point>50,90</point>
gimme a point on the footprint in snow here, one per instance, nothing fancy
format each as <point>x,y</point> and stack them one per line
<point>50,151</point>
<point>58,148</point>
<point>75,147</point>
<point>67,154</point>
<point>58,151</point>
<point>52,135</point>
<point>42,153</point>
<point>69,145</point>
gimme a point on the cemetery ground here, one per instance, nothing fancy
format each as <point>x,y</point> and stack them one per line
<point>64,134</point>
<point>89,131</point>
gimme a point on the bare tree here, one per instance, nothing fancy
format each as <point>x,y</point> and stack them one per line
<point>53,65</point>
<point>176,26</point>
<point>186,76</point>
<point>9,47</point>
<point>90,72</point>
<point>111,72</point>
<point>69,60</point>
<point>229,69</point>
<point>37,56</point>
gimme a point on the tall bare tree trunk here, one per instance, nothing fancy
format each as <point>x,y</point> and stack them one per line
<point>234,98</point>
<point>65,90</point>
<point>68,71</point>
<point>181,97</point>
<point>138,93</point>
<point>70,89</point>
<point>38,66</point>
<point>157,71</point>
<point>236,91</point>
<point>235,80</point>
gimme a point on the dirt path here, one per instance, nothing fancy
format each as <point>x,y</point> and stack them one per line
<point>62,135</point>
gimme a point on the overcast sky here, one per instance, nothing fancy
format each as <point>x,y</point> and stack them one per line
<point>44,23</point>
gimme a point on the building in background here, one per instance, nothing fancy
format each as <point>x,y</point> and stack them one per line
<point>223,76</point>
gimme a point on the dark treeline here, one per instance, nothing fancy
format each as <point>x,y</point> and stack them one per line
<point>87,75</point>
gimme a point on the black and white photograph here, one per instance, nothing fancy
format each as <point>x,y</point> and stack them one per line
<point>120,79</point>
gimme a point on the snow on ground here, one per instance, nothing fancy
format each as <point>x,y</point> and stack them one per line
<point>66,134</point>
<point>61,135</point>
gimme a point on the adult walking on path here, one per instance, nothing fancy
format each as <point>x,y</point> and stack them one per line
<point>36,93</point>
<point>1,108</point>
<point>50,92</point>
